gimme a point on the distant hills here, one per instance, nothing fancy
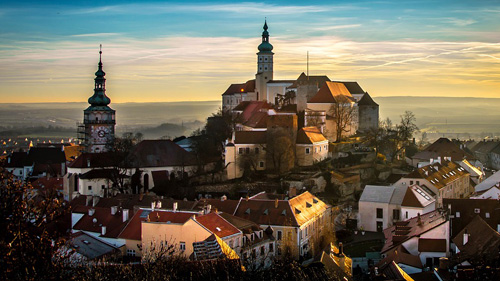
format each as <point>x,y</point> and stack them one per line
<point>452,117</point>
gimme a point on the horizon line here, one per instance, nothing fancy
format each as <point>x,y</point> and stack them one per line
<point>133,102</point>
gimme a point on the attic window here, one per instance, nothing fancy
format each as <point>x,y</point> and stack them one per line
<point>457,214</point>
<point>283,213</point>
<point>266,212</point>
<point>477,210</point>
<point>218,228</point>
<point>297,211</point>
<point>487,215</point>
<point>308,205</point>
<point>247,211</point>
<point>315,201</point>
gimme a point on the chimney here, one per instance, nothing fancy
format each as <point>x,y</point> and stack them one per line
<point>158,204</point>
<point>91,211</point>
<point>8,160</point>
<point>292,192</point>
<point>419,219</point>
<point>95,200</point>
<point>341,248</point>
<point>208,208</point>
<point>88,163</point>
<point>141,196</point>
<point>113,210</point>
<point>125,215</point>
<point>431,161</point>
<point>223,198</point>
<point>103,230</point>
<point>276,203</point>
<point>88,200</point>
<point>175,207</point>
<point>153,204</point>
<point>439,159</point>
<point>466,237</point>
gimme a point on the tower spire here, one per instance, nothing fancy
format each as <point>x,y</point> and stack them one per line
<point>99,98</point>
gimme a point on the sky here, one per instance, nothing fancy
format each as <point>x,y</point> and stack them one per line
<point>161,51</point>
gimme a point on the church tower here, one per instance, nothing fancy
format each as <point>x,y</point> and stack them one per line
<point>264,65</point>
<point>99,119</point>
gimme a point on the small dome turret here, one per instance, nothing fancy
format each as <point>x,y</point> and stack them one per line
<point>99,98</point>
<point>265,46</point>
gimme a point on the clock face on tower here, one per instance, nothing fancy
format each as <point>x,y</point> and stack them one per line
<point>101,134</point>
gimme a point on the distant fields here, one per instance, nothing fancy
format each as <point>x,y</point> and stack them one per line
<point>438,116</point>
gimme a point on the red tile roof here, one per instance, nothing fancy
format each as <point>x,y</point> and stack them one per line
<point>102,217</point>
<point>332,92</point>
<point>250,137</point>
<point>483,242</point>
<point>226,206</point>
<point>162,153</point>
<point>443,147</point>
<point>246,87</point>
<point>309,135</point>
<point>432,245</point>
<point>445,172</point>
<point>48,183</point>
<point>133,229</point>
<point>170,217</point>
<point>414,227</point>
<point>411,200</point>
<point>266,212</point>
<point>293,212</point>
<point>217,225</point>
<point>401,255</point>
<point>96,160</point>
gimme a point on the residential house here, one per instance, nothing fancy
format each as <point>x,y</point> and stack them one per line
<point>476,173</point>
<point>483,151</point>
<point>463,211</point>
<point>258,246</point>
<point>495,158</point>
<point>445,179</point>
<point>442,148</point>
<point>407,262</point>
<point>417,201</point>
<point>96,169</point>
<point>380,206</point>
<point>311,146</point>
<point>425,236</point>
<point>183,231</point>
<point>246,151</point>
<point>490,183</point>
<point>37,162</point>
<point>477,243</point>
<point>105,224</point>
<point>163,155</point>
<point>83,249</point>
<point>299,224</point>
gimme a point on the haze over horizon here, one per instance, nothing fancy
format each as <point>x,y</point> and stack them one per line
<point>192,50</point>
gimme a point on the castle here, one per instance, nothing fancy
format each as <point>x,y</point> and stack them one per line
<point>317,100</point>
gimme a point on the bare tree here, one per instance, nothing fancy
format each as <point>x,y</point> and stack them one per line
<point>343,113</point>
<point>280,149</point>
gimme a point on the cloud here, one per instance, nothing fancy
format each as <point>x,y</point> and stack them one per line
<point>461,22</point>
<point>180,68</point>
<point>237,8</point>
<point>95,34</point>
<point>335,27</point>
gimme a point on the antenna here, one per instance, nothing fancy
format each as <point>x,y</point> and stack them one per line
<point>307,65</point>
<point>100,52</point>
